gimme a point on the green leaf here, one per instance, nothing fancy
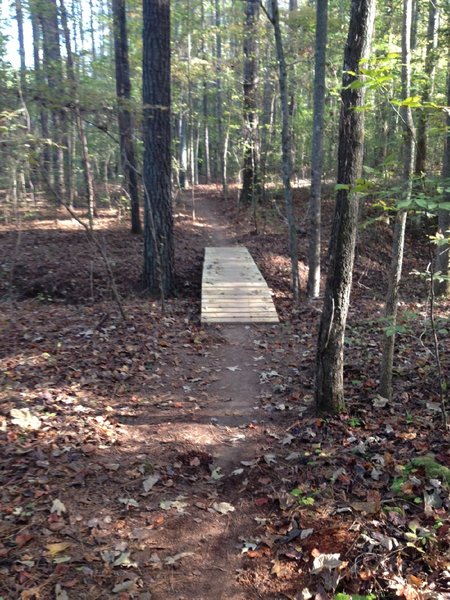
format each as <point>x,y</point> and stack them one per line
<point>342,186</point>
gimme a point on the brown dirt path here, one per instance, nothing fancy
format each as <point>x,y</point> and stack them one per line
<point>225,428</point>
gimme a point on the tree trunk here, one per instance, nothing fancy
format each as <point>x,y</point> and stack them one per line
<point>220,158</point>
<point>19,19</point>
<point>387,359</point>
<point>87,167</point>
<point>429,71</point>
<point>329,387</point>
<point>206,165</point>
<point>286,150</point>
<point>250,175</point>
<point>317,149</point>
<point>158,223</point>
<point>443,287</point>
<point>53,71</point>
<point>124,114</point>
<point>266,116</point>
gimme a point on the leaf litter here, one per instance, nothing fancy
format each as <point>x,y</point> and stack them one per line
<point>349,505</point>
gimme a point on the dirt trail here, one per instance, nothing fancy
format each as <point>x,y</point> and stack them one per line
<point>224,427</point>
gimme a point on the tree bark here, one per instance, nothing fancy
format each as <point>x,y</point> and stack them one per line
<point>429,71</point>
<point>19,19</point>
<point>250,171</point>
<point>387,359</point>
<point>158,222</point>
<point>329,385</point>
<point>124,114</point>
<point>73,86</point>
<point>52,62</point>
<point>442,288</point>
<point>317,150</point>
<point>286,148</point>
<point>220,146</point>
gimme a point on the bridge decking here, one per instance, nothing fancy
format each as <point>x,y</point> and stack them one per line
<point>233,289</point>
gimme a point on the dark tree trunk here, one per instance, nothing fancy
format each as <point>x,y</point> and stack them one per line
<point>329,389</point>
<point>317,150</point>
<point>158,223</point>
<point>250,176</point>
<point>125,117</point>
<point>430,67</point>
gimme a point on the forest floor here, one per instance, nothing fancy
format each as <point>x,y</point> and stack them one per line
<point>160,459</point>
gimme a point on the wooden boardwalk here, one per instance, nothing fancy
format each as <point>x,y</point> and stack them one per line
<point>233,289</point>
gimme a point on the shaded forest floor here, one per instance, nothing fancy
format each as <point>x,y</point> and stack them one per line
<point>159,459</point>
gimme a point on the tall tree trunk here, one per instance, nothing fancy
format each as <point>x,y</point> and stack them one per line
<point>19,19</point>
<point>159,272</point>
<point>430,68</point>
<point>220,158</point>
<point>317,149</point>
<point>329,388</point>
<point>124,114</point>
<point>387,359</point>
<point>250,175</point>
<point>42,173</point>
<point>206,165</point>
<point>73,84</point>
<point>266,116</point>
<point>92,30</point>
<point>53,71</point>
<point>443,262</point>
<point>286,150</point>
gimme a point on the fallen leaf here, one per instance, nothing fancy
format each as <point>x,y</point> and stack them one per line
<point>150,482</point>
<point>280,569</point>
<point>57,548</point>
<point>58,507</point>
<point>171,560</point>
<point>325,562</point>
<point>24,418</point>
<point>126,586</point>
<point>223,507</point>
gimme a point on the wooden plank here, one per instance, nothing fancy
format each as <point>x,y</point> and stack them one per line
<point>233,289</point>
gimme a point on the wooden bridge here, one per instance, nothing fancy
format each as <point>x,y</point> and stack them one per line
<point>233,289</point>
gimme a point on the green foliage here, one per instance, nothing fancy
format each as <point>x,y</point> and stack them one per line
<point>433,470</point>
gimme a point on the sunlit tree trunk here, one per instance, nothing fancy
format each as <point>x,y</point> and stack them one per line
<point>220,145</point>
<point>395,274</point>
<point>329,386</point>
<point>286,147</point>
<point>87,167</point>
<point>317,150</point>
